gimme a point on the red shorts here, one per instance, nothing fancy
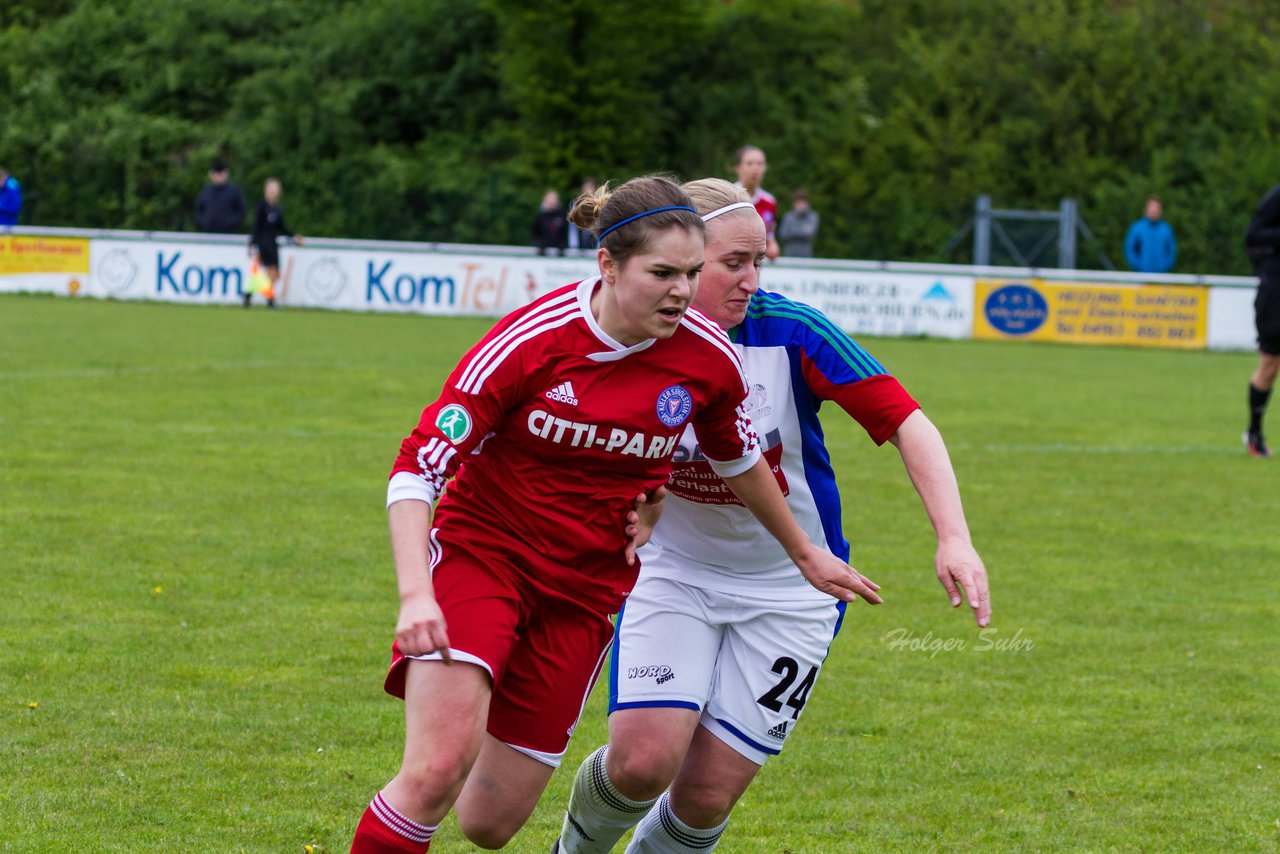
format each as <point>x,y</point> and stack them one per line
<point>543,651</point>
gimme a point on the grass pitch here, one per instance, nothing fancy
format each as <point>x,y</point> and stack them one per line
<point>198,597</point>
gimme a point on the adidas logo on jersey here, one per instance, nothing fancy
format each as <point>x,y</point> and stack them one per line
<point>564,393</point>
<point>780,731</point>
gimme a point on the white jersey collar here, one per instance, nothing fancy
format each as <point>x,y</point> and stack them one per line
<point>617,350</point>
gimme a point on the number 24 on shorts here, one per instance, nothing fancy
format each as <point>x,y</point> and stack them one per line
<point>789,669</point>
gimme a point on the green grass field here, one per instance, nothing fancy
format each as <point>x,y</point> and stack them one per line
<point>198,597</point>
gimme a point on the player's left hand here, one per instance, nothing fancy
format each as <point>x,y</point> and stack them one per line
<point>641,520</point>
<point>960,569</point>
<point>828,573</point>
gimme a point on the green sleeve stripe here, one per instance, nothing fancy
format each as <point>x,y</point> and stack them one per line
<point>860,360</point>
<point>821,325</point>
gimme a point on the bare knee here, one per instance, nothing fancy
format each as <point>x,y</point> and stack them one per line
<point>489,815</point>
<point>711,781</point>
<point>1265,376</point>
<point>500,794</point>
<point>702,805</point>
<point>429,786</point>
<point>643,770</point>
<point>488,832</point>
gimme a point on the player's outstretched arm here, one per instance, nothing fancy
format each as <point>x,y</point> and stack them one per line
<point>420,628</point>
<point>758,489</point>
<point>956,563</point>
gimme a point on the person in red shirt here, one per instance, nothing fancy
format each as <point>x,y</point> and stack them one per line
<point>751,166</point>
<point>554,428</point>
<point>721,643</point>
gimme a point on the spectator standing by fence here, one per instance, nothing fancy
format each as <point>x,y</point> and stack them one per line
<point>799,227</point>
<point>220,205</point>
<point>10,198</point>
<point>550,225</point>
<point>1150,246</point>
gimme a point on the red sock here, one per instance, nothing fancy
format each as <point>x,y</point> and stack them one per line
<point>383,830</point>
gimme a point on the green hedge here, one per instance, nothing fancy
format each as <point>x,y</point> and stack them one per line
<point>446,119</point>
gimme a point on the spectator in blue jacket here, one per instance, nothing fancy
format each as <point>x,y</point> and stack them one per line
<point>1150,247</point>
<point>10,198</point>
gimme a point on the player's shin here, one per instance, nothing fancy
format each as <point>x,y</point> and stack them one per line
<point>598,813</point>
<point>662,832</point>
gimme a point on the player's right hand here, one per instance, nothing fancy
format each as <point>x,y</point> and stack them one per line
<point>828,573</point>
<point>421,629</point>
<point>641,520</point>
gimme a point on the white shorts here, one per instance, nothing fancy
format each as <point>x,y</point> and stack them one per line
<point>746,663</point>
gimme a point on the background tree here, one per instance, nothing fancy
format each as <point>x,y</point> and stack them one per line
<point>445,121</point>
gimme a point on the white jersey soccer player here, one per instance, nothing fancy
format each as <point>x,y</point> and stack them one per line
<point>720,644</point>
<point>683,638</point>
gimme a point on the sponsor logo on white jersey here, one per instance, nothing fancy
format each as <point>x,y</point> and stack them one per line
<point>757,401</point>
<point>779,731</point>
<point>564,393</point>
<point>578,434</point>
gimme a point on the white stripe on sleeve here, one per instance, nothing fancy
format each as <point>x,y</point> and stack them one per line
<point>482,364</point>
<point>733,468</point>
<point>407,486</point>
<point>472,383</point>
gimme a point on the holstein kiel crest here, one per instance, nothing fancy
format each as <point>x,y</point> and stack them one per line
<point>674,406</point>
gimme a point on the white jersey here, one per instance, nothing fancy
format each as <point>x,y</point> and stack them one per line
<point>795,358</point>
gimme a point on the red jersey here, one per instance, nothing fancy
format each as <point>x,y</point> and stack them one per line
<point>551,428</point>
<point>766,205</point>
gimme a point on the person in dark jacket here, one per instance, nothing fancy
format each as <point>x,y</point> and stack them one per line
<point>10,198</point>
<point>220,205</point>
<point>1262,243</point>
<point>550,225</point>
<point>268,227</point>
<point>799,227</point>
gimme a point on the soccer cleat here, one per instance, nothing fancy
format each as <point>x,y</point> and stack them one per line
<point>1256,445</point>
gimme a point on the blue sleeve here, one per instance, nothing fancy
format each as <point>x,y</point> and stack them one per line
<point>826,364</point>
<point>778,321</point>
<point>1131,247</point>
<point>1172,247</point>
<point>11,197</point>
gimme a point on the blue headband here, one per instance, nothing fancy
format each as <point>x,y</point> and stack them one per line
<point>618,225</point>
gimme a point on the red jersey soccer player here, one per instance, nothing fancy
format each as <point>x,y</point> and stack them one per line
<point>550,427</point>
<point>750,169</point>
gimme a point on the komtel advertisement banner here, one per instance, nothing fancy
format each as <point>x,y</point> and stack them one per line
<point>1081,313</point>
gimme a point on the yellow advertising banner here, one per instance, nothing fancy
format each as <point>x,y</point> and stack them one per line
<point>24,255</point>
<point>1091,313</point>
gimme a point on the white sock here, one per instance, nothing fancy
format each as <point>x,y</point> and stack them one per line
<point>598,813</point>
<point>660,832</point>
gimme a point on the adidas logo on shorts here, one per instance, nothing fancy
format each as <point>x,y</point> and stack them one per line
<point>564,393</point>
<point>779,731</point>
